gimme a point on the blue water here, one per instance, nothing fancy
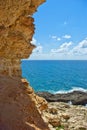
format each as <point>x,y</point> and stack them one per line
<point>55,76</point>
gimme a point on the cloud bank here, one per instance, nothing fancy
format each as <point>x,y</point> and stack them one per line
<point>66,50</point>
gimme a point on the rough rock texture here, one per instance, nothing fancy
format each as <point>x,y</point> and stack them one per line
<point>16,31</point>
<point>40,102</point>
<point>18,103</point>
<point>63,116</point>
<point>76,97</point>
<point>18,111</point>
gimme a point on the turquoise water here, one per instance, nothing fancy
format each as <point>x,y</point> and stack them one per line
<point>56,76</point>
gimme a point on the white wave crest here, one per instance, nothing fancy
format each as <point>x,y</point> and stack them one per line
<point>69,91</point>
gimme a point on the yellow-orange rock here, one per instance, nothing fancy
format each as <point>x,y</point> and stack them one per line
<point>40,102</point>
<point>16,31</point>
<point>18,104</point>
<point>18,111</point>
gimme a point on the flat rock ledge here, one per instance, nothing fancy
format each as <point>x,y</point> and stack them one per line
<point>75,97</point>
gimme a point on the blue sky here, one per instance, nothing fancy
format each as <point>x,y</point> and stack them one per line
<point>61,30</point>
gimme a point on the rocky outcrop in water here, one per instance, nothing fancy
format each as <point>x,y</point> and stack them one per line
<point>18,103</point>
<point>75,98</point>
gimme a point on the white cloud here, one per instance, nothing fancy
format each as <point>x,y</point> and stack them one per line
<point>83,44</point>
<point>67,36</point>
<point>64,48</point>
<point>60,38</point>
<point>66,45</point>
<point>56,38</point>
<point>81,48</point>
<point>39,47</point>
<point>34,41</point>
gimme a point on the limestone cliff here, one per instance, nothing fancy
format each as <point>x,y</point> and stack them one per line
<point>18,110</point>
<point>16,31</point>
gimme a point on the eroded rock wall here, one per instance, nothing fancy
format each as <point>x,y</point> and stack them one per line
<point>18,110</point>
<point>16,31</point>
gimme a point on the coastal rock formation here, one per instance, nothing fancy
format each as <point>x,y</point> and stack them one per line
<point>18,111</point>
<point>63,116</point>
<point>75,97</point>
<point>40,102</point>
<point>16,31</point>
<point>18,103</point>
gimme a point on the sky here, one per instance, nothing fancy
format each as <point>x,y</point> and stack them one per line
<point>60,30</point>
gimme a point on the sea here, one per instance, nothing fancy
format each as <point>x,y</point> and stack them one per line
<point>56,76</point>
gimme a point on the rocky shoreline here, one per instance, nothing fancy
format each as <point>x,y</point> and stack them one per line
<point>63,116</point>
<point>75,97</point>
<point>65,111</point>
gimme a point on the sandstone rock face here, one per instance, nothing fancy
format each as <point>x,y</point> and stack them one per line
<point>16,31</point>
<point>18,111</point>
<point>18,103</point>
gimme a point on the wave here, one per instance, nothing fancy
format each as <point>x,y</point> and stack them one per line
<point>69,91</point>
